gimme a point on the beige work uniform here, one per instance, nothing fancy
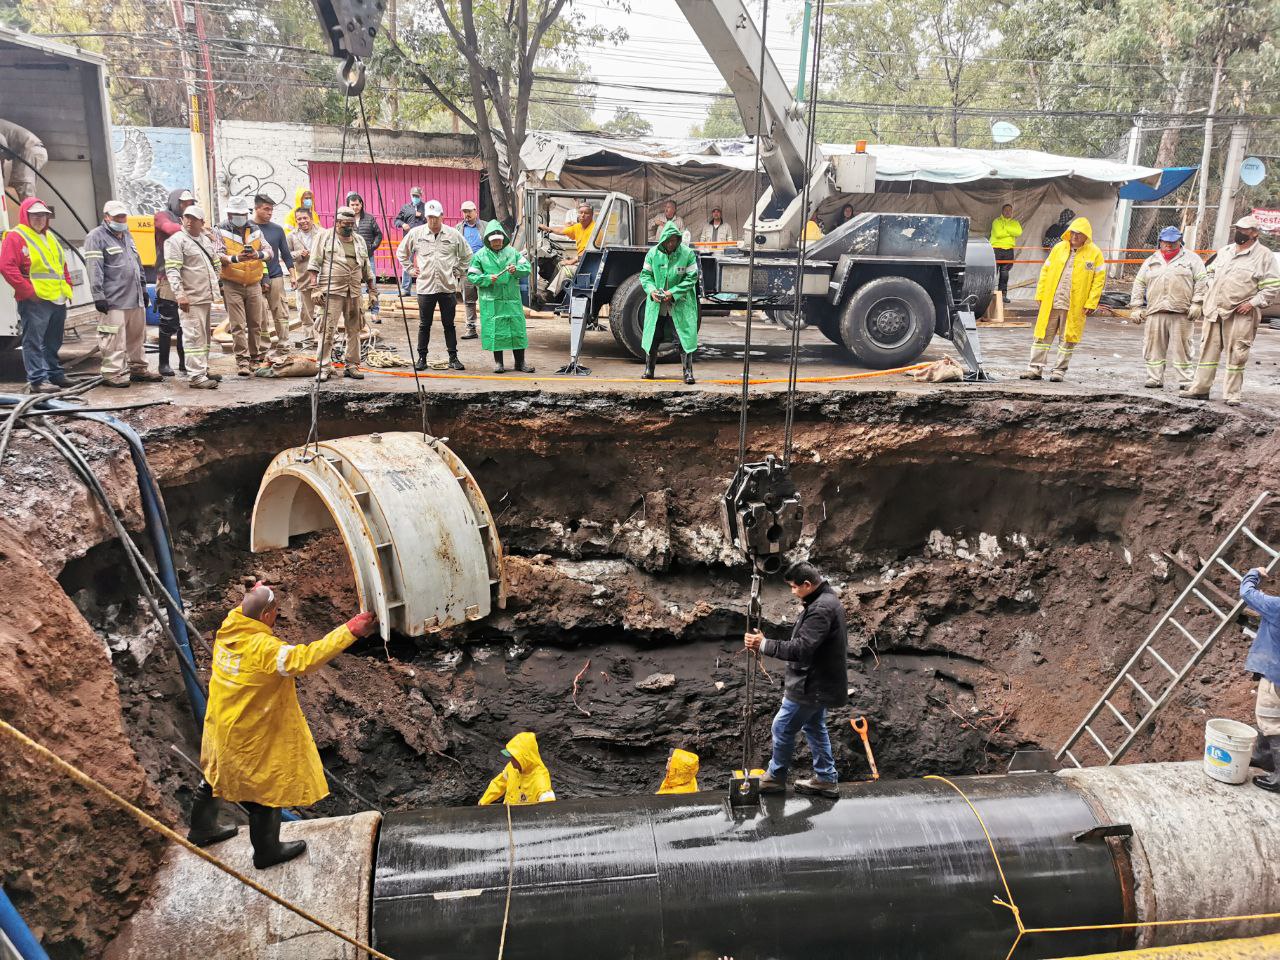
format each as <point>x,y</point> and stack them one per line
<point>342,275</point>
<point>300,244</point>
<point>275,320</point>
<point>1235,277</point>
<point>1267,709</point>
<point>440,259</point>
<point>1056,327</point>
<point>191,274</point>
<point>245,307</point>
<point>1169,294</point>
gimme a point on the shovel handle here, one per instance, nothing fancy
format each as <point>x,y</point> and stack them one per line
<point>859,725</point>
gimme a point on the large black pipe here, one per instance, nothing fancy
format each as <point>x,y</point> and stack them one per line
<point>890,870</point>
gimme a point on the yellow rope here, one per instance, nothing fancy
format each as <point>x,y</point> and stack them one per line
<point>1011,905</point>
<point>150,822</point>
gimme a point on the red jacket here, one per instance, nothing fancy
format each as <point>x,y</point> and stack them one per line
<point>15,261</point>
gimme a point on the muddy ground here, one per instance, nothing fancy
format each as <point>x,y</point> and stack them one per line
<point>999,557</point>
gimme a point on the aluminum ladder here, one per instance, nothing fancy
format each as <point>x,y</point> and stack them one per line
<point>1155,700</point>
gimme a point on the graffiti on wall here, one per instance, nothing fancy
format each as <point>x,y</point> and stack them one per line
<point>249,175</point>
<point>150,161</point>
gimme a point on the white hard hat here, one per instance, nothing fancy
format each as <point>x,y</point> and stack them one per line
<point>237,205</point>
<point>114,208</point>
<point>434,209</point>
<point>195,210</point>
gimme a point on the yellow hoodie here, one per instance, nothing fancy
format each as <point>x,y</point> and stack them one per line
<point>1088,277</point>
<point>682,773</point>
<point>290,221</point>
<point>531,783</point>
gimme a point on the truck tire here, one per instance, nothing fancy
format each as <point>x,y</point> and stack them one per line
<point>626,319</point>
<point>887,322</point>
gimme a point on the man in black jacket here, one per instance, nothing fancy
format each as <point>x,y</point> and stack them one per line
<point>817,679</point>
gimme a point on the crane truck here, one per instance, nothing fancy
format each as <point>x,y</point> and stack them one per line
<point>881,284</point>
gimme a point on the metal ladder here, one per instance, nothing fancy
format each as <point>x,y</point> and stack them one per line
<point>1156,700</point>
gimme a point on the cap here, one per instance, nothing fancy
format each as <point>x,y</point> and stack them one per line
<point>434,209</point>
<point>468,205</point>
<point>416,192</point>
<point>1249,222</point>
<point>114,208</point>
<point>506,753</point>
<point>195,210</point>
<point>346,212</point>
<point>39,207</point>
<point>1170,235</point>
<point>186,195</point>
<point>237,205</point>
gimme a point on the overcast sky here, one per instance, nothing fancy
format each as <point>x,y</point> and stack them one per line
<point>664,51</point>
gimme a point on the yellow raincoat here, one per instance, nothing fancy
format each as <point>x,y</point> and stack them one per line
<point>1088,277</point>
<point>682,773</point>
<point>257,745</point>
<point>530,784</point>
<point>290,220</point>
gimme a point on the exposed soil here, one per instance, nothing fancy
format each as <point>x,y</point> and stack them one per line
<point>999,558</point>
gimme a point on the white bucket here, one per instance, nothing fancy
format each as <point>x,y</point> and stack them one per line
<point>1227,748</point>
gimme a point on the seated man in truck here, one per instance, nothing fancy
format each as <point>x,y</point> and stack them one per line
<point>579,233</point>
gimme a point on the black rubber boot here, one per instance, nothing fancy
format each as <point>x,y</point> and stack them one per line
<point>162,341</point>
<point>651,361</point>
<point>1263,758</point>
<point>686,361</point>
<point>1271,781</point>
<point>205,828</point>
<point>182,354</point>
<point>520,364</point>
<point>497,362</point>
<point>264,831</point>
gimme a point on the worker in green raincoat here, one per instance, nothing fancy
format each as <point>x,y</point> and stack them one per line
<point>495,271</point>
<point>670,278</point>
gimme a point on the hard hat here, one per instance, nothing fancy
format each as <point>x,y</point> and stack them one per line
<point>39,207</point>
<point>195,210</point>
<point>346,213</point>
<point>237,205</point>
<point>1170,235</point>
<point>114,208</point>
<point>1249,222</point>
<point>434,209</point>
<point>468,205</point>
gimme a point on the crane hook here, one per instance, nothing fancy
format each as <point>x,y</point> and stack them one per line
<point>352,73</point>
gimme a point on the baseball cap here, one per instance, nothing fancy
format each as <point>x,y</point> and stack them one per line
<point>416,192</point>
<point>39,207</point>
<point>434,209</point>
<point>237,205</point>
<point>186,195</point>
<point>1249,222</point>
<point>195,210</point>
<point>346,212</point>
<point>1170,235</point>
<point>468,205</point>
<point>114,208</point>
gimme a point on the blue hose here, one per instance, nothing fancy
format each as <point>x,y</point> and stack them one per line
<point>15,928</point>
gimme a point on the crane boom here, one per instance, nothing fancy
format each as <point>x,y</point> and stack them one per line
<point>733,42</point>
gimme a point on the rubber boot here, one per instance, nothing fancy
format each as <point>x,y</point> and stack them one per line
<point>520,364</point>
<point>182,354</point>
<point>686,361</point>
<point>205,828</point>
<point>264,831</point>
<point>1271,782</point>
<point>651,361</point>
<point>162,341</point>
<point>1262,757</point>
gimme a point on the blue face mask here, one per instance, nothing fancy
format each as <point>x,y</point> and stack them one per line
<point>117,227</point>
<point>417,201</point>
<point>307,203</point>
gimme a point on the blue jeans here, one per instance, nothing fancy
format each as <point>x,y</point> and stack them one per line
<point>791,719</point>
<point>406,283</point>
<point>42,328</point>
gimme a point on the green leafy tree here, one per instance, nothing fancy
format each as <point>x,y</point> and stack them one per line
<point>723,119</point>
<point>627,123</point>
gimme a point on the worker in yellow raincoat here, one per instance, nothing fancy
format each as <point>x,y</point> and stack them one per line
<point>257,750</point>
<point>1069,289</point>
<point>525,778</point>
<point>682,773</point>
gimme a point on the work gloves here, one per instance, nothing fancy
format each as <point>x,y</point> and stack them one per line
<point>101,306</point>
<point>363,624</point>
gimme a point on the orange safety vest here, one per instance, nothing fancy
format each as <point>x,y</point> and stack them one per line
<point>241,273</point>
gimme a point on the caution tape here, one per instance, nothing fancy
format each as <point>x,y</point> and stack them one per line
<point>151,823</point>
<point>1023,930</point>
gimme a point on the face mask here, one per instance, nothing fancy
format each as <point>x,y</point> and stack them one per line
<point>307,203</point>
<point>417,201</point>
<point>117,227</point>
<point>344,229</point>
<point>1242,237</point>
<point>1168,254</point>
<point>238,221</point>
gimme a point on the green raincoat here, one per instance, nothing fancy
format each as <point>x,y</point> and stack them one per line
<point>501,310</point>
<point>677,273</point>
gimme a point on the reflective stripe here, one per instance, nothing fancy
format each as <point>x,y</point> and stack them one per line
<point>49,283</point>
<point>107,329</point>
<point>195,351</point>
<point>280,659</point>
<point>93,254</point>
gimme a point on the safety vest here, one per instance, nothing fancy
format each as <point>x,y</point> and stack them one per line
<point>48,271</point>
<point>233,242</point>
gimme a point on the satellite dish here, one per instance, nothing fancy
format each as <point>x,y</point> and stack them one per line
<point>1002,131</point>
<point>1253,171</point>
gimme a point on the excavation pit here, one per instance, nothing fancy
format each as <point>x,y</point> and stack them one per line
<point>998,558</point>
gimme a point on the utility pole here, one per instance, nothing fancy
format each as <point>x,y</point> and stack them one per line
<point>210,106</point>
<point>392,25</point>
<point>1230,185</point>
<point>804,48</point>
<point>1202,199</point>
<point>184,20</point>
<point>1124,213</point>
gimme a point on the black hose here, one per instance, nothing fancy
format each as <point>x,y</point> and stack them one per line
<point>58,193</point>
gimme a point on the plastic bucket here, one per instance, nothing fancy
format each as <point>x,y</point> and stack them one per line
<point>1228,745</point>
